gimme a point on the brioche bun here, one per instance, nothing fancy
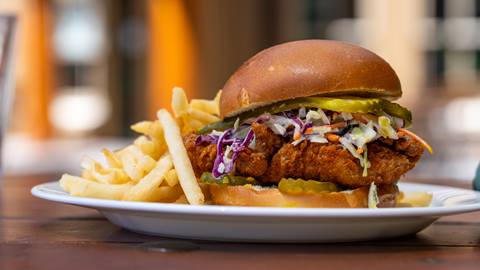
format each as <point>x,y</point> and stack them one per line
<point>249,195</point>
<point>308,68</point>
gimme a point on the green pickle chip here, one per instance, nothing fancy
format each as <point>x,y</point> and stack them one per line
<point>226,180</point>
<point>300,186</point>
<point>286,185</point>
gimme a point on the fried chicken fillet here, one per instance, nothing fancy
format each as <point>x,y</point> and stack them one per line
<point>274,158</point>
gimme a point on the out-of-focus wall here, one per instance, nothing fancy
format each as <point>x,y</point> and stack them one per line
<point>392,31</point>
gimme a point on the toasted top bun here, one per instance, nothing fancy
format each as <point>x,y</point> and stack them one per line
<point>308,68</point>
<point>254,196</point>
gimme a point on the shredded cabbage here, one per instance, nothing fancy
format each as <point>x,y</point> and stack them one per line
<point>277,128</point>
<point>312,115</point>
<point>373,199</point>
<point>236,124</point>
<point>346,116</point>
<point>296,142</point>
<point>365,163</point>
<point>349,146</point>
<point>386,129</point>
<point>317,139</point>
<point>362,135</point>
<point>302,112</point>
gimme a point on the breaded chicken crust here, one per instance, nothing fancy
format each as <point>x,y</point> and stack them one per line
<point>274,158</point>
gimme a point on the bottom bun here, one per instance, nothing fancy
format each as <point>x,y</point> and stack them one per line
<point>249,195</point>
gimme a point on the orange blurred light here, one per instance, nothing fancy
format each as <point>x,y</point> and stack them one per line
<point>33,67</point>
<point>171,54</point>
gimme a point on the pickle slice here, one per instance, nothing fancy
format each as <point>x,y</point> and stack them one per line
<point>219,126</point>
<point>227,180</point>
<point>350,105</point>
<point>396,110</point>
<point>299,186</point>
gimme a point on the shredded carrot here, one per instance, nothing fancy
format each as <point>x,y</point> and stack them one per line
<point>296,136</point>
<point>336,125</point>
<point>360,118</point>
<point>359,151</point>
<point>416,137</point>
<point>308,131</point>
<point>332,137</point>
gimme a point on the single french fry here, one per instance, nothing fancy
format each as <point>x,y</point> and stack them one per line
<point>179,102</point>
<point>130,150</point>
<point>165,194</point>
<point>207,106</point>
<point>87,175</point>
<point>180,159</point>
<point>111,159</point>
<point>144,189</point>
<point>152,148</point>
<point>146,163</point>
<point>130,167</point>
<point>148,128</point>
<point>81,187</point>
<point>202,116</point>
<point>217,98</point>
<point>171,178</point>
<point>182,200</point>
<point>414,199</point>
<point>110,176</point>
<point>190,125</point>
<point>89,164</point>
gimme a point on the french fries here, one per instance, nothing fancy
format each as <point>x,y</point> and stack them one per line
<point>207,106</point>
<point>171,178</point>
<point>78,186</point>
<point>179,102</point>
<point>414,199</point>
<point>201,116</point>
<point>182,163</point>
<point>145,189</point>
<point>155,167</point>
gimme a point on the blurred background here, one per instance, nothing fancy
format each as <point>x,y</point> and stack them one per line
<point>87,69</point>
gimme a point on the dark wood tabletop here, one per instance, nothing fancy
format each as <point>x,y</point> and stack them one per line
<point>37,234</point>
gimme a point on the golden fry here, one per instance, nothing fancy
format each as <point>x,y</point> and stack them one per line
<point>414,199</point>
<point>182,200</point>
<point>144,190</point>
<point>165,194</point>
<point>96,172</point>
<point>171,178</point>
<point>207,106</point>
<point>87,175</point>
<point>148,128</point>
<point>217,99</point>
<point>182,164</point>
<point>130,167</point>
<point>78,186</point>
<point>111,176</point>
<point>179,102</point>
<point>153,148</point>
<point>112,159</point>
<point>190,125</point>
<point>202,116</point>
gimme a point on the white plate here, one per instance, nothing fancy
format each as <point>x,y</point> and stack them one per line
<point>265,224</point>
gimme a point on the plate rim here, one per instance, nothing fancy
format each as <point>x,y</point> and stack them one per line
<point>267,212</point>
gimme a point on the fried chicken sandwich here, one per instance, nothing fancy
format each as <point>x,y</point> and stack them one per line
<point>308,124</point>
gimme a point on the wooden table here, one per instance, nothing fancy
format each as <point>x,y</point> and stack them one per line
<point>37,234</point>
